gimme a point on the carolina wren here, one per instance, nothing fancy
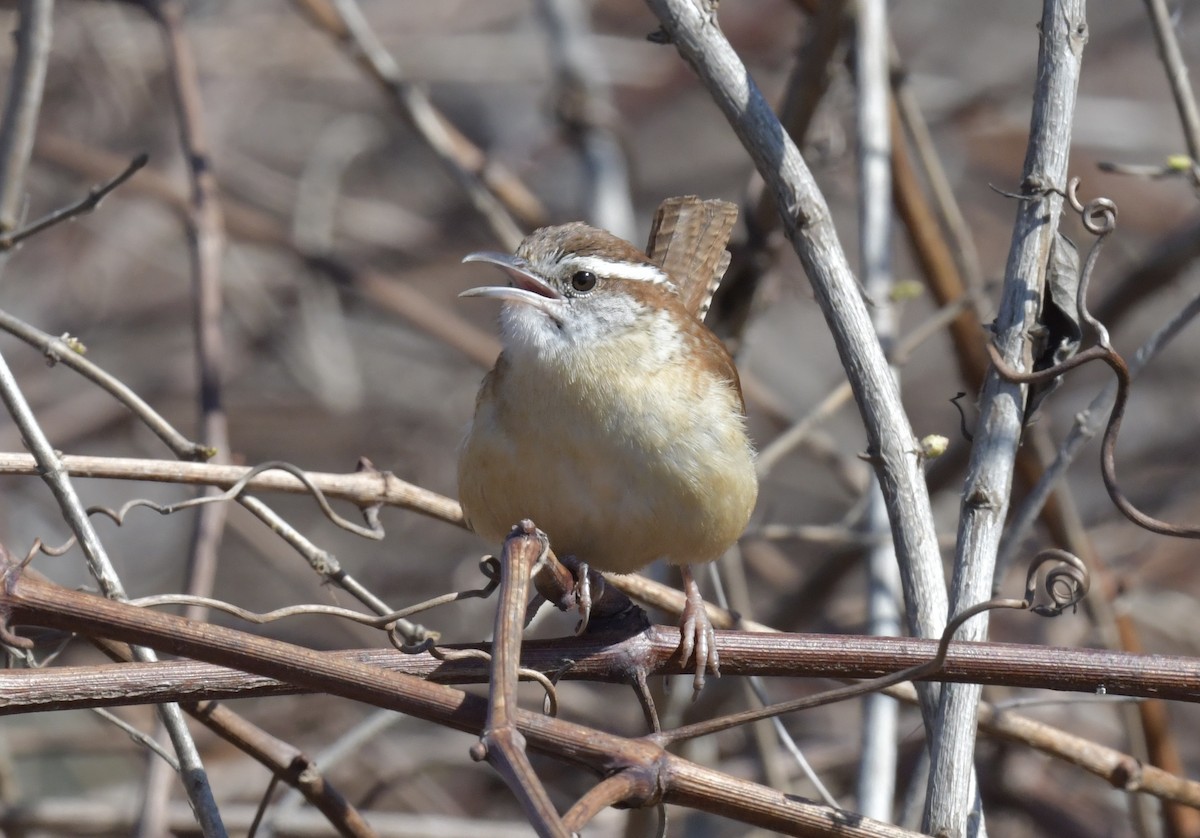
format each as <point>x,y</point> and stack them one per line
<point>614,418</point>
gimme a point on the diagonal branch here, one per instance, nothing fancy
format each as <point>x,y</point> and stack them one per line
<point>809,227</point>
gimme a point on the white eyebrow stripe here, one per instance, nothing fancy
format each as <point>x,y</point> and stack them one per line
<point>625,270</point>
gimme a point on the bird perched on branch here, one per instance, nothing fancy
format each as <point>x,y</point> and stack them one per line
<point>614,418</point>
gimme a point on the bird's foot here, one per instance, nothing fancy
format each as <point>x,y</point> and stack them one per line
<point>696,633</point>
<point>583,596</point>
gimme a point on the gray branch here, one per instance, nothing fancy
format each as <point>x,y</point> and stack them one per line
<point>952,797</point>
<point>24,102</point>
<point>877,767</point>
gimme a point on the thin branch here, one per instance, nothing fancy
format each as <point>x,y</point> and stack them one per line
<point>586,115</point>
<point>140,738</point>
<point>81,207</point>
<point>1177,76</point>
<point>771,454</point>
<point>26,85</point>
<point>206,246</point>
<point>69,351</point>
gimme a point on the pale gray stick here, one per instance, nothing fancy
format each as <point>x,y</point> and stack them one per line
<point>25,87</point>
<point>951,805</point>
<point>877,764</point>
<point>1177,75</point>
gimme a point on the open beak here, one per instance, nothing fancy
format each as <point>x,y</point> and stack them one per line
<point>527,287</point>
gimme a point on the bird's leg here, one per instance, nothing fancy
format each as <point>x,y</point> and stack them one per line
<point>696,632</point>
<point>580,591</point>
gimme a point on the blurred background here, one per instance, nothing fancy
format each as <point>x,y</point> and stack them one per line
<point>336,211</point>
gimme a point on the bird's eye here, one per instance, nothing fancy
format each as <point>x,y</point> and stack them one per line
<point>583,281</point>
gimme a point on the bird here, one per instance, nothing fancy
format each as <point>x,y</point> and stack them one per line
<point>613,417</point>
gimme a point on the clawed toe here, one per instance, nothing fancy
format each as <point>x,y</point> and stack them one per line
<point>696,635</point>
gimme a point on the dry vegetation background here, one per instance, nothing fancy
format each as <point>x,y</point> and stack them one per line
<point>322,369</point>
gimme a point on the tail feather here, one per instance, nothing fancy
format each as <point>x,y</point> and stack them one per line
<point>687,240</point>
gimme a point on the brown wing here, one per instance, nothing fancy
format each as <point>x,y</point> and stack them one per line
<point>687,240</point>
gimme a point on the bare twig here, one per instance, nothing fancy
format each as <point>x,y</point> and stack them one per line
<point>1063,31</point>
<point>140,738</point>
<point>69,351</point>
<point>373,531</point>
<point>773,453</point>
<point>1177,76</point>
<point>346,745</point>
<point>81,207</point>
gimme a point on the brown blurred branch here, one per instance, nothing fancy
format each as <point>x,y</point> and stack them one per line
<point>493,190</point>
<point>206,246</point>
<point>253,225</point>
<point>806,86</point>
